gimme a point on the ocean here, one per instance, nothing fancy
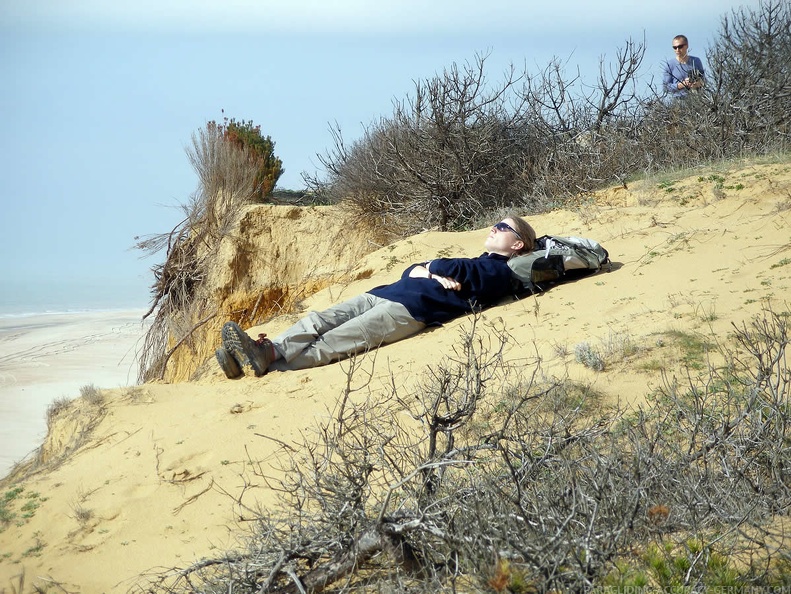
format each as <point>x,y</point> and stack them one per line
<point>51,347</point>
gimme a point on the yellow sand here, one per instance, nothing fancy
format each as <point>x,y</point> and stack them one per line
<point>159,481</point>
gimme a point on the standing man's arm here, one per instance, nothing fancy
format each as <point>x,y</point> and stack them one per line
<point>669,80</point>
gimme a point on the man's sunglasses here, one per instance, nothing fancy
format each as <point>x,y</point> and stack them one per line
<point>679,46</point>
<point>503,226</point>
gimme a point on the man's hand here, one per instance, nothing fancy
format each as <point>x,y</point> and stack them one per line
<point>447,282</point>
<point>689,84</point>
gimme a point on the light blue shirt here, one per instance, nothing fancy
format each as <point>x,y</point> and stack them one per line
<point>675,72</point>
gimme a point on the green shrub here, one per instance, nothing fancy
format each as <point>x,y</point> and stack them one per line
<point>260,150</point>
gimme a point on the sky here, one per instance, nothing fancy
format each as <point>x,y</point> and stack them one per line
<point>100,99</point>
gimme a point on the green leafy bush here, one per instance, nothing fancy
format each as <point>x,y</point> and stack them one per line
<point>260,150</point>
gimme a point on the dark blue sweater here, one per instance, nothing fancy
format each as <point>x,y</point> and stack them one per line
<point>484,281</point>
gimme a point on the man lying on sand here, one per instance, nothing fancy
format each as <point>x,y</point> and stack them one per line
<point>428,293</point>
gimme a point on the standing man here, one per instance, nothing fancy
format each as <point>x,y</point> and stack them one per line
<point>684,73</point>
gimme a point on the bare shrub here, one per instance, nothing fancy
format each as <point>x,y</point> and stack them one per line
<point>460,147</point>
<point>446,152</point>
<point>587,132</point>
<point>750,93</point>
<point>499,477</point>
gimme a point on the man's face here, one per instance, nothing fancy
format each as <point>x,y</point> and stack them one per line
<point>503,238</point>
<point>680,47</point>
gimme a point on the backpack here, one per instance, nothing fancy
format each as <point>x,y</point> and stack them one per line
<point>554,260</point>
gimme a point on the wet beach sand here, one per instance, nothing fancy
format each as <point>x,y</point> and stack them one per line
<point>45,357</point>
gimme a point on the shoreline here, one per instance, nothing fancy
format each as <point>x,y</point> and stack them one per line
<point>51,355</point>
<point>7,315</point>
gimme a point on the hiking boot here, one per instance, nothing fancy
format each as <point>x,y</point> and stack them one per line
<point>257,353</point>
<point>228,363</point>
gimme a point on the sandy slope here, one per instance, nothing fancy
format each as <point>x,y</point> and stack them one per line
<point>167,475</point>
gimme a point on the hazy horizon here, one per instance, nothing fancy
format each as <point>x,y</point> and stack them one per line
<point>39,296</point>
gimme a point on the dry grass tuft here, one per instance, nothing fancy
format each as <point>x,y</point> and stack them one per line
<point>92,395</point>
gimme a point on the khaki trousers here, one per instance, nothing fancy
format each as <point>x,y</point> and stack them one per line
<point>359,324</point>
